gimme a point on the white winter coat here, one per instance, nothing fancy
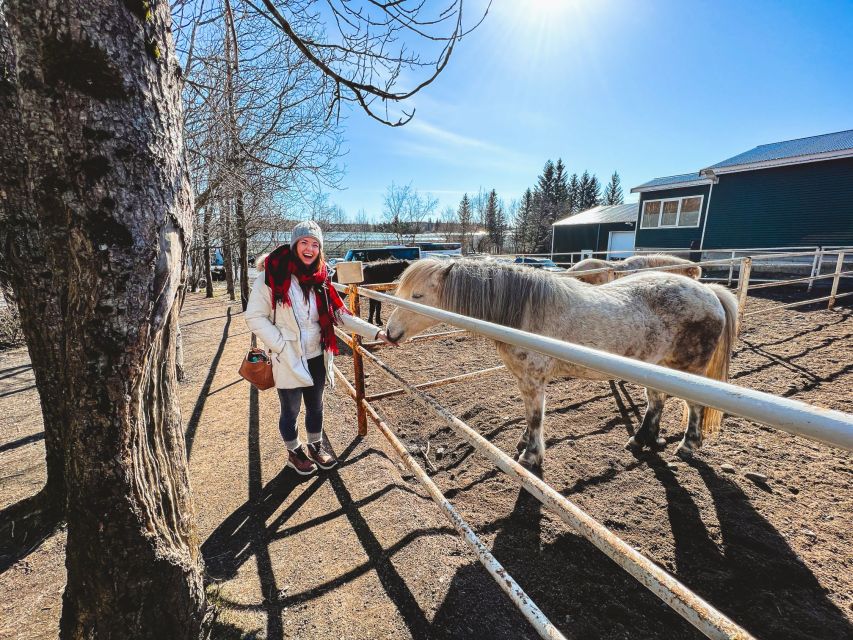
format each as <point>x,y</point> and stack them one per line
<point>289,366</point>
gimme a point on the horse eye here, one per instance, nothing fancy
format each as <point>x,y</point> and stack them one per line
<point>416,296</point>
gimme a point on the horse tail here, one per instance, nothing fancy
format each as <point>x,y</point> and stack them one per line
<point>718,366</point>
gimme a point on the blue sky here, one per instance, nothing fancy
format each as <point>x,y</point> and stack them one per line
<point>644,88</point>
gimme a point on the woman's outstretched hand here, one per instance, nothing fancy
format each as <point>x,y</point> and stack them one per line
<point>384,337</point>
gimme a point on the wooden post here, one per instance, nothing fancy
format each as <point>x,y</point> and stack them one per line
<point>817,263</point>
<point>839,267</point>
<point>731,268</point>
<point>742,288</point>
<point>357,364</point>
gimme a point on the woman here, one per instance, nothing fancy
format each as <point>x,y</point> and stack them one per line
<point>293,309</point>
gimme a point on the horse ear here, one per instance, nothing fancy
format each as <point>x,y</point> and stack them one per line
<point>259,263</point>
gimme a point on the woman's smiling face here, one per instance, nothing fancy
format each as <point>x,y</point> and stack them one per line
<point>307,249</point>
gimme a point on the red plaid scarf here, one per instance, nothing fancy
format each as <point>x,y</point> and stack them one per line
<point>280,265</point>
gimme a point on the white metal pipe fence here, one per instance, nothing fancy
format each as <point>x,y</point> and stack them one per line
<point>832,427</point>
<point>520,599</point>
<point>824,425</point>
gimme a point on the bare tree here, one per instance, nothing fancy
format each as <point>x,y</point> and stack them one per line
<point>91,111</point>
<point>97,218</point>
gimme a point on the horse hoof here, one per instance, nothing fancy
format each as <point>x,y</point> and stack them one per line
<point>633,444</point>
<point>683,452</point>
<point>529,462</point>
<point>659,445</point>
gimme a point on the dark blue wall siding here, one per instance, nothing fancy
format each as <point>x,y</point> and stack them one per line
<point>579,237</point>
<point>807,204</point>
<point>673,238</point>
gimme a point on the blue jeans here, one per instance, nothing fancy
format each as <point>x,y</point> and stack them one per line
<point>291,400</point>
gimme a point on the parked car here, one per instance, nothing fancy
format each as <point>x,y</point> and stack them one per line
<point>439,248</point>
<point>538,263</point>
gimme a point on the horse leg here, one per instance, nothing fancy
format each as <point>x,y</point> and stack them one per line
<point>692,435</point>
<point>647,434</point>
<point>378,312</point>
<point>533,453</point>
<point>371,307</point>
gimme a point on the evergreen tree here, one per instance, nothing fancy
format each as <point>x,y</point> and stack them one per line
<point>464,214</point>
<point>574,198</point>
<point>544,206</point>
<point>527,235</point>
<point>613,190</point>
<point>561,192</point>
<point>493,229</point>
<point>583,192</point>
<point>589,190</point>
<point>500,226</point>
<point>594,197</point>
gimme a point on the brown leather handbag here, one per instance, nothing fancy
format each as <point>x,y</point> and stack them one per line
<point>257,369</point>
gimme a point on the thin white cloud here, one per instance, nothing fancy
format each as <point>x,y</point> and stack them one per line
<point>430,141</point>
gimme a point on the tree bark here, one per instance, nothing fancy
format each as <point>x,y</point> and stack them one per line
<point>227,252</point>
<point>205,238</point>
<point>97,216</point>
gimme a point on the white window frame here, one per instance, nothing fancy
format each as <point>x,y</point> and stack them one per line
<point>680,200</point>
<point>643,224</point>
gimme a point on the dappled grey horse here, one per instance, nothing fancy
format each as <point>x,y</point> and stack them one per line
<point>690,269</point>
<point>655,317</point>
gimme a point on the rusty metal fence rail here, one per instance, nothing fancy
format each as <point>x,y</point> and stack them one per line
<point>827,426</point>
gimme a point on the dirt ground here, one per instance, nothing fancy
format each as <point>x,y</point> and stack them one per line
<point>361,552</point>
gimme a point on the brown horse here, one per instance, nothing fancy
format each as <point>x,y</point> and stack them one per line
<point>380,272</point>
<point>654,317</point>
<point>691,270</point>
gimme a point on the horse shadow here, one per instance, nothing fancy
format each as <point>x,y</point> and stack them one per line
<point>756,577</point>
<point>570,580</point>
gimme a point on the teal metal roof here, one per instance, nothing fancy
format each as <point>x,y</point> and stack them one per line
<point>827,143</point>
<point>604,214</point>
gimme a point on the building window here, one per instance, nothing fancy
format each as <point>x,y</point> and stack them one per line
<point>690,208</point>
<point>651,214</point>
<point>671,213</point>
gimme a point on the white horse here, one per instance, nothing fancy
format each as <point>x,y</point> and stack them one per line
<point>691,269</point>
<point>654,317</point>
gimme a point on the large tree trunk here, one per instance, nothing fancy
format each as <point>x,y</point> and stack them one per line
<point>97,212</point>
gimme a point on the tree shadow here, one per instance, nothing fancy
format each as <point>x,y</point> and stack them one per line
<point>16,391</point>
<point>11,372</point>
<point>195,418</point>
<point>20,442</point>
<point>25,525</point>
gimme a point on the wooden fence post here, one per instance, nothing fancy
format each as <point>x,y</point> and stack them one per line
<point>839,267</point>
<point>731,268</point>
<point>817,263</point>
<point>357,363</point>
<point>742,289</point>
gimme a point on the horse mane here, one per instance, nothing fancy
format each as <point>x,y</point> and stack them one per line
<point>489,290</point>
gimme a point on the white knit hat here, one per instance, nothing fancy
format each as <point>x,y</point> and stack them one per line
<point>307,229</point>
